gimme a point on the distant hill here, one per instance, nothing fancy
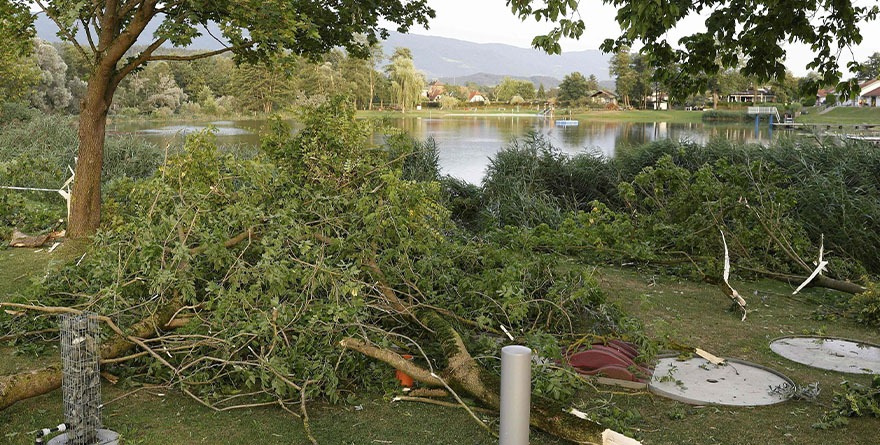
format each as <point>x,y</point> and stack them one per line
<point>450,60</point>
<point>445,58</point>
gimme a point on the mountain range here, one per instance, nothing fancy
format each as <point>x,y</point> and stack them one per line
<point>449,60</point>
<point>452,60</point>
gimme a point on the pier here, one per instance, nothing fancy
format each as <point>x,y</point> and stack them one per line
<point>825,127</point>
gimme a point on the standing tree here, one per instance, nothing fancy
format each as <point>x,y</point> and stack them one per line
<point>593,83</point>
<point>624,75</point>
<point>51,93</point>
<point>254,30</point>
<point>17,73</point>
<point>373,61</point>
<point>573,87</point>
<point>508,88</point>
<point>260,88</point>
<point>406,81</point>
<point>870,69</point>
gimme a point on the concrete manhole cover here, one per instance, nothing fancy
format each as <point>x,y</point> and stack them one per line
<point>699,382</point>
<point>835,354</point>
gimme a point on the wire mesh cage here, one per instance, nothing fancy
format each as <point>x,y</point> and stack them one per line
<point>81,382</point>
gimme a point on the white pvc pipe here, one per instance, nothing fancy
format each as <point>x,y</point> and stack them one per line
<point>516,393</point>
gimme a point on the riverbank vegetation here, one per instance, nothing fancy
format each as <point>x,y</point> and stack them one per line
<point>303,273</point>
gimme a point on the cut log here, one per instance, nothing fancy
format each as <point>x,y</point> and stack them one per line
<point>24,385</point>
<point>20,239</point>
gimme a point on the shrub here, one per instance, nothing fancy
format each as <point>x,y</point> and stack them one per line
<point>16,112</point>
<point>417,160</point>
<point>37,153</point>
<point>865,307</point>
<point>726,116</point>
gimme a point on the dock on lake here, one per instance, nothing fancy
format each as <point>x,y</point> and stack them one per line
<point>825,127</point>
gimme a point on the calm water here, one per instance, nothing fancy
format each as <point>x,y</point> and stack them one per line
<point>467,142</point>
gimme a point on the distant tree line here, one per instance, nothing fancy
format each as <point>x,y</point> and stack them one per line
<point>52,77</point>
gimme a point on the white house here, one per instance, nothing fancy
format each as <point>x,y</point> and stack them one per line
<point>870,94</point>
<point>476,96</point>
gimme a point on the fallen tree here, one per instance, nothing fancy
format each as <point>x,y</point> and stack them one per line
<point>288,263</point>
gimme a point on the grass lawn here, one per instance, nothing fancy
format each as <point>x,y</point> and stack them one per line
<point>843,115</point>
<point>688,313</point>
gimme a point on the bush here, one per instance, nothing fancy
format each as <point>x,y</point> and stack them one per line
<point>162,113</point>
<point>338,246</point>
<point>16,112</point>
<point>418,161</point>
<point>865,307</point>
<point>516,189</point>
<point>726,116</point>
<point>38,152</point>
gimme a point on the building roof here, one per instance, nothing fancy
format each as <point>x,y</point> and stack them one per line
<point>603,93</point>
<point>872,93</point>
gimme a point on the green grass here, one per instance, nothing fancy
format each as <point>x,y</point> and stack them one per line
<point>688,313</point>
<point>696,314</point>
<point>842,115</point>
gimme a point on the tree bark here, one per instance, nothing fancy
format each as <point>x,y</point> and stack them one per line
<point>465,374</point>
<point>24,385</point>
<point>85,199</point>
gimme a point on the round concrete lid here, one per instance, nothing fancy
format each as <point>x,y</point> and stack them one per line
<point>834,354</point>
<point>699,382</point>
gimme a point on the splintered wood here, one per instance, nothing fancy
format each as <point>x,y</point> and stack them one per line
<point>725,285</point>
<point>821,264</point>
<point>709,357</point>
<point>611,437</point>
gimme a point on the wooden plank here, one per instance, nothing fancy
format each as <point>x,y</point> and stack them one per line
<point>629,384</point>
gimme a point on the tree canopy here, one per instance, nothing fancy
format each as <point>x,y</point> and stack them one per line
<point>870,68</point>
<point>748,32</point>
<point>573,87</point>
<point>253,30</point>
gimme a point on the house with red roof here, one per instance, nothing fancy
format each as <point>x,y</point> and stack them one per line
<point>476,96</point>
<point>870,95</point>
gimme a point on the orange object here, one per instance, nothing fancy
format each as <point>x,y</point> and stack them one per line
<point>405,379</point>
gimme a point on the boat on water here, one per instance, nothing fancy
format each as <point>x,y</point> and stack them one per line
<point>566,123</point>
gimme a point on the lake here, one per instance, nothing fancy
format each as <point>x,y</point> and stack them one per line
<point>467,142</point>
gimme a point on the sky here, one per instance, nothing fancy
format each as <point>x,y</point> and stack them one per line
<point>490,21</point>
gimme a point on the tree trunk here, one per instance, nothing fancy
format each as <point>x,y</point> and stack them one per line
<point>85,200</point>
<point>24,385</point>
<point>465,374</point>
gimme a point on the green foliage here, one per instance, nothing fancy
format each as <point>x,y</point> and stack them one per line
<point>510,88</point>
<point>328,222</point>
<point>406,81</point>
<point>574,86</point>
<point>418,161</point>
<point>726,116</point>
<point>854,400</point>
<point>37,151</point>
<point>530,182</point>
<point>668,201</point>
<point>865,307</point>
<point>870,68</point>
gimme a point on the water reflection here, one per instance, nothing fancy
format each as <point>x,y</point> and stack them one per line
<point>467,142</point>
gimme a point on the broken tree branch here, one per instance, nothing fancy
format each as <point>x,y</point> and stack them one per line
<point>725,284</point>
